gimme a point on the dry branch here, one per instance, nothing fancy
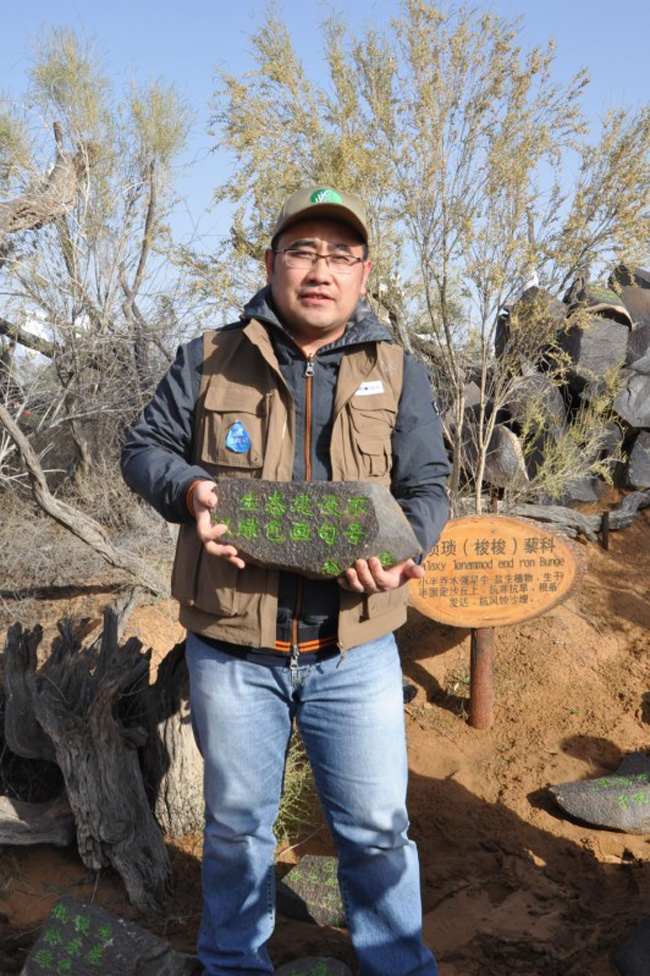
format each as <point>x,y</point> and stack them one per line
<point>51,199</point>
<point>82,526</point>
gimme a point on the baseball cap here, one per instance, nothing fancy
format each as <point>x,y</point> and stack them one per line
<point>323,201</point>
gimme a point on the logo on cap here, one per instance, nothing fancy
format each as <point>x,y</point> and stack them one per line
<point>325,196</point>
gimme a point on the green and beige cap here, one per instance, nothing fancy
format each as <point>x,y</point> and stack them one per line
<point>323,201</point>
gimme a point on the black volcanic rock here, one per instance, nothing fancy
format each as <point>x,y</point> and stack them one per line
<point>81,939</point>
<point>638,465</point>
<point>314,966</point>
<point>314,528</point>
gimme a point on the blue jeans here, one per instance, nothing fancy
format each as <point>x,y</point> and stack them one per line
<point>351,717</point>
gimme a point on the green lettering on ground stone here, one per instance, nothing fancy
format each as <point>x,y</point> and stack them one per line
<point>53,937</point>
<point>75,947</point>
<point>60,912</point>
<point>44,958</point>
<point>95,955</point>
<point>106,933</point>
<point>82,924</point>
<point>64,967</point>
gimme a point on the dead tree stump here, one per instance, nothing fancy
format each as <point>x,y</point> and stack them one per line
<point>124,746</point>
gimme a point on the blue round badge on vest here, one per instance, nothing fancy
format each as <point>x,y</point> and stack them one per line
<point>238,439</point>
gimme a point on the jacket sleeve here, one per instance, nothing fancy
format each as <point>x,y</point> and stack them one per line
<point>420,465</point>
<point>158,452</point>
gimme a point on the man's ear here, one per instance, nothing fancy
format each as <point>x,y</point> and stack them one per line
<point>269,260</point>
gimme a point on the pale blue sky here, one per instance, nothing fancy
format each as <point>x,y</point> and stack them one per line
<point>185,42</point>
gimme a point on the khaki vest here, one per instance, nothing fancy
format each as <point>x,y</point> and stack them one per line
<point>242,381</point>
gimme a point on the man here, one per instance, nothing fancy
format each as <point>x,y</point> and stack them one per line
<point>306,387</point>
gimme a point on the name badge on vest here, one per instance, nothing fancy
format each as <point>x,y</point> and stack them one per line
<point>238,439</point>
<point>372,387</point>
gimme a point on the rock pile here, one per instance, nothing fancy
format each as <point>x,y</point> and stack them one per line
<point>593,332</point>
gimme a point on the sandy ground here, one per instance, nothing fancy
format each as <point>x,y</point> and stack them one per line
<point>510,883</point>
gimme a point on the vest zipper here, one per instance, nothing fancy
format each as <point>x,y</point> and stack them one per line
<point>309,372</point>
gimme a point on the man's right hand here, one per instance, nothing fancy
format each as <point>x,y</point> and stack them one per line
<point>204,498</point>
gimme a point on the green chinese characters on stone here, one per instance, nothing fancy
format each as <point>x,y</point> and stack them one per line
<point>275,505</point>
<point>249,502</point>
<point>627,800</point>
<point>82,924</point>
<point>53,937</point>
<point>357,506</point>
<point>331,568</point>
<point>44,958</point>
<point>329,505</point>
<point>249,528</point>
<point>74,948</point>
<point>301,532</point>
<point>302,505</point>
<point>328,533</point>
<point>273,531</point>
<point>95,955</point>
<point>386,559</point>
<point>60,912</point>
<point>65,967</point>
<point>355,533</point>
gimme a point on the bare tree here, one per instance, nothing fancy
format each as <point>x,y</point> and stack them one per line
<point>84,276</point>
<point>459,141</point>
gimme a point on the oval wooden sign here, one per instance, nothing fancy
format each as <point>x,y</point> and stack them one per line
<point>489,570</point>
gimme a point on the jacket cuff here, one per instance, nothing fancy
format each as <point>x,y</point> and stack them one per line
<point>189,498</point>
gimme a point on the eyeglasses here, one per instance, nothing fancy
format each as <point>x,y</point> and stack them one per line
<point>339,263</point>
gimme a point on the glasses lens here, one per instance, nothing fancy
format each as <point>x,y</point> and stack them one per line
<point>304,260</point>
<point>299,259</point>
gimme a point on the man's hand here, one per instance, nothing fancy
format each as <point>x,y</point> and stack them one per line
<point>204,498</point>
<point>369,576</point>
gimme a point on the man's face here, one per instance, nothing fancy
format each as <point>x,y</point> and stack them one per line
<point>315,304</point>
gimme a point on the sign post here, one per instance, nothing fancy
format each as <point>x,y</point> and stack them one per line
<point>481,678</point>
<point>491,570</point>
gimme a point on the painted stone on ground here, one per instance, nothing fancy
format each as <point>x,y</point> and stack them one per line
<point>315,528</point>
<point>621,800</point>
<point>79,939</point>
<point>310,891</point>
<point>314,966</point>
<point>633,959</point>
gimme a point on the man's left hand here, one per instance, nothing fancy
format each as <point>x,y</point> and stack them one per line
<point>369,576</point>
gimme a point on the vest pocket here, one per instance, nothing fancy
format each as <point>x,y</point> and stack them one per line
<point>371,432</point>
<point>376,604</point>
<point>201,580</point>
<point>234,431</point>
